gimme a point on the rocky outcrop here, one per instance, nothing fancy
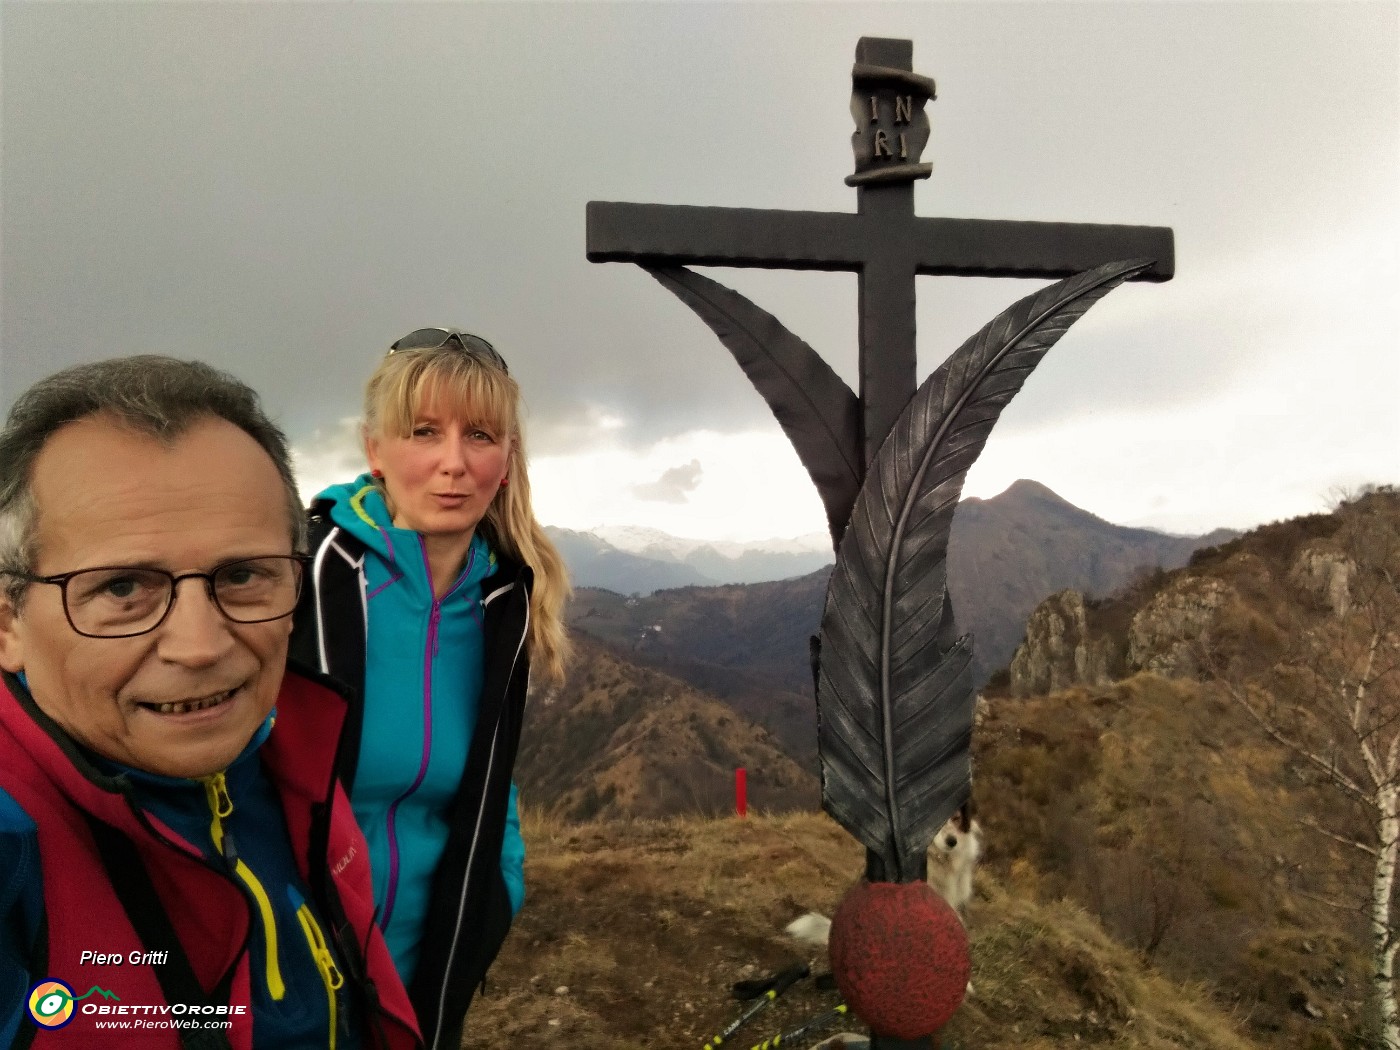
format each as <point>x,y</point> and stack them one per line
<point>1326,575</point>
<point>1058,650</point>
<point>1166,635</point>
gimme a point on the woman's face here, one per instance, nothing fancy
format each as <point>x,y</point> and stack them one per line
<point>441,477</point>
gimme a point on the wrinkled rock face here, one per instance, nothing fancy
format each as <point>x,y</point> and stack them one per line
<point>1058,651</point>
<point>1326,575</point>
<point>1164,635</point>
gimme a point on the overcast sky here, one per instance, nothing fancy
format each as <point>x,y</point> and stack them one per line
<point>283,189</point>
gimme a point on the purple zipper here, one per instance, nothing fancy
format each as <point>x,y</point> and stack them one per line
<point>430,651</point>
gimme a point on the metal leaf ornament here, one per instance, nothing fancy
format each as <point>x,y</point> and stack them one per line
<point>894,681</point>
<point>817,411</point>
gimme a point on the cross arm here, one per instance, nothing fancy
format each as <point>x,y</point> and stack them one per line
<point>1001,248</point>
<point>685,235</point>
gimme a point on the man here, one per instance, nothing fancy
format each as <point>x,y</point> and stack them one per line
<point>174,850</point>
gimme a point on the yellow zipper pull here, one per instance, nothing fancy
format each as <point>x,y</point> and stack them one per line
<point>319,949</point>
<point>216,790</point>
<point>325,961</point>
<point>221,806</point>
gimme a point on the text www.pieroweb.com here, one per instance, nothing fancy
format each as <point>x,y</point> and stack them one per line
<point>155,1018</point>
<point>164,1022</point>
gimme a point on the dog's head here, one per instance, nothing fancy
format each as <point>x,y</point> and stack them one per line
<point>955,829</point>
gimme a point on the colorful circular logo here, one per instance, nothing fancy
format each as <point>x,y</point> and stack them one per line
<point>51,1004</point>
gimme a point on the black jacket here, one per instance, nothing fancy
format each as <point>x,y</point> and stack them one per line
<point>469,912</point>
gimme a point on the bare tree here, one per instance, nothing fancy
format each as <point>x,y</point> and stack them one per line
<point>1332,699</point>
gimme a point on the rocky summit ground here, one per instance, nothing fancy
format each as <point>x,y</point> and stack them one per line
<point>634,931</point>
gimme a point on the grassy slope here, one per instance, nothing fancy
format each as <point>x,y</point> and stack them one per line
<point>634,931</point>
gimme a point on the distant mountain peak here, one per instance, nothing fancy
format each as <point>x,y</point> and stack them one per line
<point>1022,490</point>
<point>640,539</point>
<point>1025,497</point>
<point>1026,487</point>
<point>635,559</point>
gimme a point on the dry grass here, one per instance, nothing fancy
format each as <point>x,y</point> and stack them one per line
<point>1154,806</point>
<point>633,932</point>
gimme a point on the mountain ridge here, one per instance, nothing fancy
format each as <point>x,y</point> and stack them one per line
<point>748,643</point>
<point>641,560</point>
<point>618,740</point>
<point>640,539</point>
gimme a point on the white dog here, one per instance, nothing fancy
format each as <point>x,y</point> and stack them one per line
<point>952,857</point>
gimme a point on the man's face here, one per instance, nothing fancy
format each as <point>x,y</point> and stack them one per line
<point>107,496</point>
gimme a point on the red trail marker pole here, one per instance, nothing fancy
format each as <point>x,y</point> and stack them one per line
<point>741,791</point>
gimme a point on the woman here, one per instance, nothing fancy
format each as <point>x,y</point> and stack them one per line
<point>432,591</point>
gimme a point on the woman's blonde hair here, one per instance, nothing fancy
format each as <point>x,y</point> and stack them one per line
<point>463,385</point>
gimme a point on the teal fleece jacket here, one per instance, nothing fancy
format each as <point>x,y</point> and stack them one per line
<point>423,674</point>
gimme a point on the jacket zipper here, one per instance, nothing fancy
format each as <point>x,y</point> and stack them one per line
<point>429,652</point>
<point>331,976</point>
<point>432,1042</point>
<point>139,815</point>
<point>221,806</point>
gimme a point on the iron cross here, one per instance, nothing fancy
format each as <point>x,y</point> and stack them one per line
<point>889,654</point>
<point>884,242</point>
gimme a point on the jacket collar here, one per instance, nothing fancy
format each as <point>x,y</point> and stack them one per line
<point>310,714</point>
<point>45,739</point>
<point>509,569</point>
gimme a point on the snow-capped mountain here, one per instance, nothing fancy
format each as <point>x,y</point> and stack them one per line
<point>636,560</point>
<point>653,543</point>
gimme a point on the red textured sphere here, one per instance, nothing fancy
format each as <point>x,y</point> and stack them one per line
<point>900,957</point>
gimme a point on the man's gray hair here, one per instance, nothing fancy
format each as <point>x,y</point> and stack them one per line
<point>160,396</point>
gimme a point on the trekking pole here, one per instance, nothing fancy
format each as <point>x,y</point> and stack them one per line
<point>765,992</point>
<point>792,1034</point>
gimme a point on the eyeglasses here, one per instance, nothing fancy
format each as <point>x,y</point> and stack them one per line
<point>434,338</point>
<point>122,602</point>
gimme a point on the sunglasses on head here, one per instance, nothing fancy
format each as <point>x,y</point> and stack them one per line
<point>436,338</point>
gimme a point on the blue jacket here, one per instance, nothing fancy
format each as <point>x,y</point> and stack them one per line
<point>429,751</point>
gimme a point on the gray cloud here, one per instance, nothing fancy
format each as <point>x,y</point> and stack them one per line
<point>674,485</point>
<point>283,189</point>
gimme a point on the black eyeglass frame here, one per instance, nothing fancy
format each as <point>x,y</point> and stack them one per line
<point>469,344</point>
<point>62,579</point>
